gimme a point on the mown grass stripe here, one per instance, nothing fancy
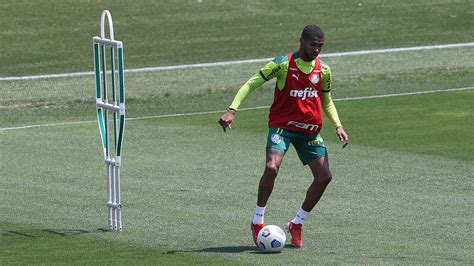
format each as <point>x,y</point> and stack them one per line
<point>249,61</point>
<point>242,109</point>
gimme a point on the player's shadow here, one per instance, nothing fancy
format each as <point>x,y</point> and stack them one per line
<point>229,249</point>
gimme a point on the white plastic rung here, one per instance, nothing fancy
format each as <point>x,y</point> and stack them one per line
<point>108,106</point>
<point>114,205</point>
<point>113,161</point>
<point>118,44</point>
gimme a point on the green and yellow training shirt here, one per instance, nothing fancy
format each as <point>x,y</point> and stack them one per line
<point>278,68</point>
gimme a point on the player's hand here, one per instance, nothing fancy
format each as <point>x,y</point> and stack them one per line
<point>226,119</point>
<point>343,137</point>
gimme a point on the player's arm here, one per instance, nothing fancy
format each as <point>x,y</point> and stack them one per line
<point>228,117</point>
<point>329,107</point>
<point>254,82</point>
<point>269,71</point>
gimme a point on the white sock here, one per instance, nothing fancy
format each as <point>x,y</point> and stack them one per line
<point>300,216</point>
<point>259,214</point>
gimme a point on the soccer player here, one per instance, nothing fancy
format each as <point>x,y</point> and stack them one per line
<point>302,89</point>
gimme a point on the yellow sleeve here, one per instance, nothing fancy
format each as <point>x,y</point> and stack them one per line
<point>254,82</point>
<point>271,70</point>
<point>330,110</point>
<point>327,103</point>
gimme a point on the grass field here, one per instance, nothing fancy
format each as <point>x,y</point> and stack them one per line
<point>401,192</point>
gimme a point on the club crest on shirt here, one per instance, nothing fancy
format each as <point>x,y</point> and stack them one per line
<point>276,138</point>
<point>314,78</point>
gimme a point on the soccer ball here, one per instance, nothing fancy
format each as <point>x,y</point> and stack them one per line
<point>271,238</point>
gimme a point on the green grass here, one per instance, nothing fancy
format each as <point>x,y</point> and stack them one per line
<point>402,190</point>
<point>416,124</point>
<point>27,245</point>
<point>169,32</point>
<point>388,200</point>
<point>212,88</point>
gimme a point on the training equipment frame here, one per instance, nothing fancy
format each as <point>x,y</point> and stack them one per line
<point>112,155</point>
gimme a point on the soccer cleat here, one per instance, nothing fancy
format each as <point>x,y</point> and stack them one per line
<point>255,229</point>
<point>295,230</point>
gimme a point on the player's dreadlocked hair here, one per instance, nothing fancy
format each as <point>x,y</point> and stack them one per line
<point>312,31</point>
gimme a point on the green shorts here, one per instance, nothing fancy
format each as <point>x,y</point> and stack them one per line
<point>308,147</point>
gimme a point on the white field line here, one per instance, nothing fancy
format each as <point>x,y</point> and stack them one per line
<point>242,109</point>
<point>239,62</point>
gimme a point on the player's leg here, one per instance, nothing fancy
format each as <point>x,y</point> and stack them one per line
<point>277,145</point>
<point>322,177</point>
<point>274,158</point>
<point>314,154</point>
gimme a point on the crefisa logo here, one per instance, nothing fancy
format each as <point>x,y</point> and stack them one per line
<point>307,92</point>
